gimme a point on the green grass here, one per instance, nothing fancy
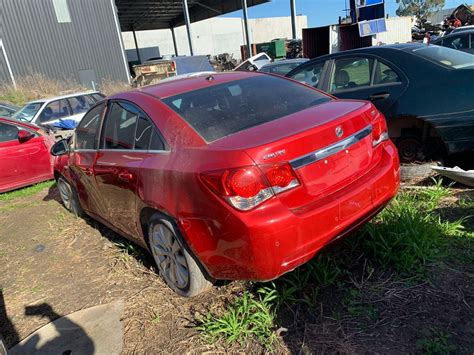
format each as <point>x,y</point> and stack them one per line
<point>15,97</point>
<point>249,316</point>
<point>27,191</point>
<point>402,240</point>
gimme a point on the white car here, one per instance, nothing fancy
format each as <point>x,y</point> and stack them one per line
<point>48,112</point>
<point>254,63</point>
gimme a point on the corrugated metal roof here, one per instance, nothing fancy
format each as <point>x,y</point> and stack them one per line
<point>160,14</point>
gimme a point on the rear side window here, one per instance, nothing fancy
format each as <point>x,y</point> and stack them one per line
<point>86,131</point>
<point>309,75</point>
<point>120,126</point>
<point>385,75</point>
<point>98,97</point>
<point>220,110</point>
<point>79,104</point>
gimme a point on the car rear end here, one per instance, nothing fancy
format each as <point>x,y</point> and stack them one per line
<point>318,172</point>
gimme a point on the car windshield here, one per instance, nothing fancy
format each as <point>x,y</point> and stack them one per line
<point>27,112</point>
<point>447,57</point>
<point>224,109</point>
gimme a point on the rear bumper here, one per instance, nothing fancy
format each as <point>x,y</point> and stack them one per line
<point>265,243</point>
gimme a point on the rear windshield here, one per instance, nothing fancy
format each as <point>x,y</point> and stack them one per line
<point>224,109</point>
<point>447,57</point>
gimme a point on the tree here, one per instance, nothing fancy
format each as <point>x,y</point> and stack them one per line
<point>422,9</point>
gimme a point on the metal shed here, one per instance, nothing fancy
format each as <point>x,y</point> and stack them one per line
<point>81,40</point>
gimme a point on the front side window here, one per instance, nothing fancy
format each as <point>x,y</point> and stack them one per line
<point>54,111</point>
<point>310,75</point>
<point>87,130</point>
<point>27,112</point>
<point>220,110</point>
<point>120,126</point>
<point>350,73</point>
<point>8,132</point>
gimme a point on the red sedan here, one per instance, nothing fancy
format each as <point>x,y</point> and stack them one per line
<point>24,155</point>
<point>229,176</point>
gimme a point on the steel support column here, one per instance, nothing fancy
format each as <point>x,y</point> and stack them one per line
<point>136,46</point>
<point>175,45</point>
<point>188,26</point>
<point>247,30</point>
<point>293,18</point>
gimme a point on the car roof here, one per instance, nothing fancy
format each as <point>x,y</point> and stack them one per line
<point>20,123</point>
<point>286,61</point>
<point>63,97</point>
<point>182,85</point>
<point>462,29</point>
<point>402,47</point>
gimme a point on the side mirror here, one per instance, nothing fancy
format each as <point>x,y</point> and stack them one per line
<point>24,135</point>
<point>60,148</point>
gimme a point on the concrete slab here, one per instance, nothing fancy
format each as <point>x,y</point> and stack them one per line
<point>95,330</point>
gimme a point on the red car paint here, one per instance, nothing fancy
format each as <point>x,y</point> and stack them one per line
<point>23,163</point>
<point>333,195</point>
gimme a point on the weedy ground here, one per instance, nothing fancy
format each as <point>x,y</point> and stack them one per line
<point>402,284</point>
<point>37,86</point>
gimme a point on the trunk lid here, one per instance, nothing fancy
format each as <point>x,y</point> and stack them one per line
<point>328,146</point>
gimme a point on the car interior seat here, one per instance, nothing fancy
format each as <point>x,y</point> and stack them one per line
<point>341,80</point>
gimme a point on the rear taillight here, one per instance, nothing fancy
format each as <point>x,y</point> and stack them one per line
<point>379,128</point>
<point>172,66</point>
<point>246,187</point>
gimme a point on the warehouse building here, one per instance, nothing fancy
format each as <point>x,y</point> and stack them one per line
<point>81,40</point>
<point>213,36</point>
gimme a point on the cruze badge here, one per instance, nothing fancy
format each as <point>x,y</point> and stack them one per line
<point>339,132</point>
<point>274,154</point>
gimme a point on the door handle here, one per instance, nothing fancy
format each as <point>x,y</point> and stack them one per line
<point>381,96</point>
<point>88,171</point>
<point>125,176</point>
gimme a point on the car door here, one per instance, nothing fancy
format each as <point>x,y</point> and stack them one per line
<point>83,156</point>
<point>22,163</point>
<point>367,78</point>
<point>118,164</point>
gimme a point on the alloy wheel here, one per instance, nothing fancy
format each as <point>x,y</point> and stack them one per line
<point>169,256</point>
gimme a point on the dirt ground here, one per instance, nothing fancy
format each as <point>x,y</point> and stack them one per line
<point>50,258</point>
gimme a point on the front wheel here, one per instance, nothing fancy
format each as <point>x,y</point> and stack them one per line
<point>69,197</point>
<point>177,266</point>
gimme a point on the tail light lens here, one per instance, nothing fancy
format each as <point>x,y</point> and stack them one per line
<point>247,187</point>
<point>379,128</point>
<point>172,66</point>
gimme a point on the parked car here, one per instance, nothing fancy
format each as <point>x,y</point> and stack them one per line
<point>24,155</point>
<point>7,110</point>
<point>282,67</point>
<point>254,63</point>
<point>461,40</point>
<point>425,92</point>
<point>49,112</point>
<point>462,29</point>
<point>232,176</point>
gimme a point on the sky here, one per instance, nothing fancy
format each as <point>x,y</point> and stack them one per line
<point>319,12</point>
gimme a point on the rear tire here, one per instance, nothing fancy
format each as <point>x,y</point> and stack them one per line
<point>410,149</point>
<point>69,197</point>
<point>178,267</point>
